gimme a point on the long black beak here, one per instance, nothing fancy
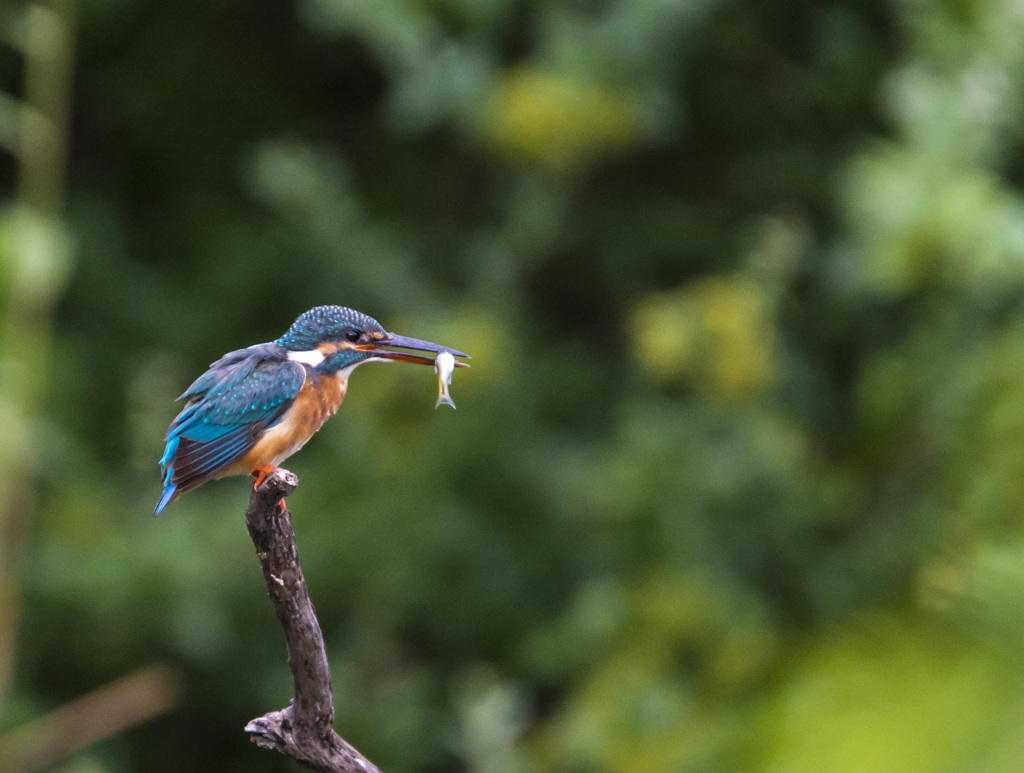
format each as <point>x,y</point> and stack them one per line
<point>402,342</point>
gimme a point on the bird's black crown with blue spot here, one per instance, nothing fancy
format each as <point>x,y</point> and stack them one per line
<point>326,323</point>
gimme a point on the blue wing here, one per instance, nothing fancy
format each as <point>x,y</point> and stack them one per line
<point>229,408</point>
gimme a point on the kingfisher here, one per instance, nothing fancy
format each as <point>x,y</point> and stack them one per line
<point>255,407</point>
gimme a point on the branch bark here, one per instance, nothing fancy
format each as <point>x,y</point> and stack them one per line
<point>305,729</point>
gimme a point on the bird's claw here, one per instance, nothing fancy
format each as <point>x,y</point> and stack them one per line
<point>260,474</point>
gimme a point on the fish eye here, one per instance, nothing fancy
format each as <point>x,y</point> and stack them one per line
<point>353,335</point>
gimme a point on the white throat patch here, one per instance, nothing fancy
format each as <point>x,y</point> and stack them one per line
<point>312,358</point>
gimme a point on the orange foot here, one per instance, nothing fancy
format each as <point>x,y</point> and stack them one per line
<point>260,474</point>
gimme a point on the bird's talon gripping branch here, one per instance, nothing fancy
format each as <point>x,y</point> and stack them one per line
<point>260,474</point>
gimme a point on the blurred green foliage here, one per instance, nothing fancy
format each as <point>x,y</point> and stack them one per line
<point>737,477</point>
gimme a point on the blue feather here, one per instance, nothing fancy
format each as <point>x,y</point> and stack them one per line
<point>243,394</point>
<point>172,446</point>
<point>200,459</point>
<point>169,491</point>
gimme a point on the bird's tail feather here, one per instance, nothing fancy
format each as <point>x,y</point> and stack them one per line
<point>169,491</point>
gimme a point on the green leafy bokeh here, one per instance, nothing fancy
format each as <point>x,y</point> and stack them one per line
<point>736,480</point>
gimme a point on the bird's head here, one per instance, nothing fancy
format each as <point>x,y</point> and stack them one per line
<point>332,338</point>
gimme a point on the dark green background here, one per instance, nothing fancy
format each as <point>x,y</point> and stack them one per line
<point>736,480</point>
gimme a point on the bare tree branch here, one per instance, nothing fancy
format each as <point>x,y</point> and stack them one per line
<point>304,730</point>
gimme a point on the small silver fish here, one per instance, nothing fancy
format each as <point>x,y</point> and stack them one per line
<point>444,364</point>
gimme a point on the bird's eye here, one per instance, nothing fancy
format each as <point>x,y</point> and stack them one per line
<point>353,335</point>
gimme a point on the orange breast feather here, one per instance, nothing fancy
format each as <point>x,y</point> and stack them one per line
<point>316,403</point>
